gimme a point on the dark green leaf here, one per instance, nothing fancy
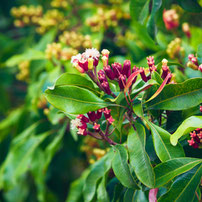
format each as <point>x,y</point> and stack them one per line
<point>184,187</point>
<point>74,100</point>
<point>102,195</point>
<point>162,145</point>
<point>178,96</point>
<point>121,168</point>
<point>166,171</point>
<point>191,6</point>
<point>139,159</point>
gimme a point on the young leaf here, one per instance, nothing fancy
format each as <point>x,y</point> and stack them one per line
<point>184,187</point>
<point>163,148</point>
<point>178,96</point>
<point>187,126</point>
<point>139,159</point>
<point>166,171</point>
<point>97,172</point>
<point>74,100</point>
<point>121,168</point>
<point>160,88</point>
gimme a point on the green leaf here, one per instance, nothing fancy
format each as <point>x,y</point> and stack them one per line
<point>151,27</point>
<point>166,171</point>
<point>121,168</point>
<point>178,96</point>
<point>74,100</point>
<point>186,127</point>
<point>75,191</point>
<point>199,53</point>
<point>191,6</point>
<point>75,80</point>
<point>18,159</point>
<point>97,172</point>
<point>30,54</point>
<point>139,10</point>
<point>139,159</point>
<point>102,195</point>
<point>184,187</point>
<point>129,195</point>
<point>163,148</point>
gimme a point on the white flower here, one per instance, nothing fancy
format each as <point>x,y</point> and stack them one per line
<point>76,58</point>
<point>92,53</point>
<point>75,123</point>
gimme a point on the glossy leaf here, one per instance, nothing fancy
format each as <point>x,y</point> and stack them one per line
<point>184,187</point>
<point>162,145</point>
<point>129,195</point>
<point>178,96</point>
<point>166,171</point>
<point>121,168</point>
<point>74,100</point>
<point>139,159</point>
<point>75,80</point>
<point>96,173</point>
<point>186,127</point>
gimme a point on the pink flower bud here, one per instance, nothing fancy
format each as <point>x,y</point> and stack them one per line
<point>83,118</point>
<point>110,120</point>
<point>200,67</point>
<point>82,132</point>
<point>96,127</point>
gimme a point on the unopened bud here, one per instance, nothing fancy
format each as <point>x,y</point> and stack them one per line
<point>90,63</point>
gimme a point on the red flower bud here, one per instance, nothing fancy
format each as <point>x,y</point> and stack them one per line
<point>142,73</point>
<point>83,118</point>
<point>106,87</point>
<point>82,132</point>
<point>106,112</point>
<point>101,76</point>
<point>122,81</point>
<point>96,127</point>
<point>117,68</point>
<point>109,72</point>
<point>110,120</point>
<point>92,116</point>
<point>99,114</point>
<point>126,68</point>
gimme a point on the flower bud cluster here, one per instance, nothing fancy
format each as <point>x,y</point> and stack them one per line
<point>50,19</point>
<point>186,29</point>
<point>193,63</point>
<point>93,118</point>
<point>174,49</point>
<point>23,75</point>
<point>55,50</point>
<point>196,138</point>
<point>59,3</point>
<point>171,19</point>
<point>26,15</point>
<point>105,18</point>
<point>86,61</point>
<point>76,40</point>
